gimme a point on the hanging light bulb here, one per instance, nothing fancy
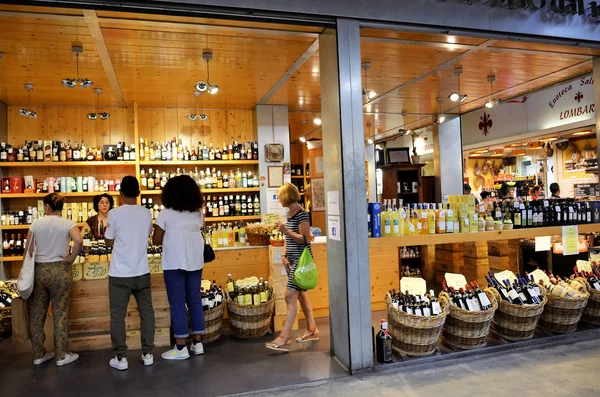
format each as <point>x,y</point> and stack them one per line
<point>439,118</point>
<point>72,83</point>
<point>370,94</point>
<point>28,112</point>
<point>456,96</point>
<point>492,102</point>
<point>98,115</point>
<point>202,86</point>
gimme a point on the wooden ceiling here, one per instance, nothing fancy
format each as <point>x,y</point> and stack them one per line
<point>154,60</point>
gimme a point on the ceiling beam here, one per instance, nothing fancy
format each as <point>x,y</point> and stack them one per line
<point>444,65</point>
<point>96,31</point>
<point>310,51</point>
<point>39,15</point>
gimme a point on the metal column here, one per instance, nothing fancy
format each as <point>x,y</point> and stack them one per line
<point>344,159</point>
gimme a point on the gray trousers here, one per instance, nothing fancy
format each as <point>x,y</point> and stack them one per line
<point>120,290</point>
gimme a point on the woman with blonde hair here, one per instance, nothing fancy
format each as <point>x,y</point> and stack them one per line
<point>297,237</point>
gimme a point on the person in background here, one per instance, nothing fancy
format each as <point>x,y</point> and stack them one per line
<point>177,229</point>
<point>127,231</point>
<point>96,224</point>
<point>297,237</point>
<point>487,199</point>
<point>49,237</point>
<point>555,190</point>
<point>535,192</point>
<point>467,192</point>
<point>506,192</point>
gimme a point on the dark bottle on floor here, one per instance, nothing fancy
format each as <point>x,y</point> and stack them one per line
<point>384,344</point>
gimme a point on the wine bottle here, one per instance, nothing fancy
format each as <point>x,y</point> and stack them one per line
<point>383,344</point>
<point>512,294</point>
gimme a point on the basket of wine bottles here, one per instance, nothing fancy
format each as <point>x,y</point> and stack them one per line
<point>7,293</point>
<point>250,306</point>
<point>567,300</point>
<point>591,280</point>
<point>520,306</point>
<point>470,318</point>
<point>212,303</point>
<point>415,322</point>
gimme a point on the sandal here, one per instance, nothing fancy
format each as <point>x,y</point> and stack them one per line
<point>280,347</point>
<point>308,336</point>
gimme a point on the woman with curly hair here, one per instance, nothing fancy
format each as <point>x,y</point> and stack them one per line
<point>96,224</point>
<point>177,229</point>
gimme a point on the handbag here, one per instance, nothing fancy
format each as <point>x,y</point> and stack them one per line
<point>27,276</point>
<point>209,253</point>
<point>306,275</point>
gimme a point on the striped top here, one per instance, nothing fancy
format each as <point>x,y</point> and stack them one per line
<point>294,250</point>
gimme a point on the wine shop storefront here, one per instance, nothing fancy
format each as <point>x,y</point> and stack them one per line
<point>325,87</point>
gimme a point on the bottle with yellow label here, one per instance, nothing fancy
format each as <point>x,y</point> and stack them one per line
<point>441,219</point>
<point>386,222</point>
<point>230,284</point>
<point>449,219</point>
<point>423,218</point>
<point>395,219</point>
<point>431,220</point>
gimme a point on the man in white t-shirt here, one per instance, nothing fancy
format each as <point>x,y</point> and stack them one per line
<point>127,231</point>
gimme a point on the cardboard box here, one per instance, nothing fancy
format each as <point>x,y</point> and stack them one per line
<point>375,219</point>
<point>276,255</point>
<point>279,287</point>
<point>12,185</point>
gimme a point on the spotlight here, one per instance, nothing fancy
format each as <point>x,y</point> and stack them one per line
<point>463,98</point>
<point>213,89</point>
<point>318,121</point>
<point>69,83</point>
<point>302,139</point>
<point>454,96</point>
<point>192,116</point>
<point>203,117</point>
<point>370,141</point>
<point>72,83</point>
<point>489,104</point>
<point>440,118</point>
<point>201,86</point>
<point>85,83</point>
<point>92,116</point>
<point>104,116</point>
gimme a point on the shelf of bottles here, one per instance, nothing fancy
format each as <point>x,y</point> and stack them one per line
<point>62,154</point>
<point>176,153</point>
<point>71,194</point>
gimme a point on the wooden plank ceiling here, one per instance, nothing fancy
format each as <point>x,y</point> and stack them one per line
<point>156,59</point>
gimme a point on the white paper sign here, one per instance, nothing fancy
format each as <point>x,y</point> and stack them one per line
<point>540,275</point>
<point>455,280</point>
<point>333,226</point>
<point>505,275</point>
<point>414,285</point>
<point>333,202</point>
<point>584,266</point>
<point>543,243</point>
<point>319,165</point>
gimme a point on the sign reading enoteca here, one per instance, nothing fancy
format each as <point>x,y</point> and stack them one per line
<point>570,105</point>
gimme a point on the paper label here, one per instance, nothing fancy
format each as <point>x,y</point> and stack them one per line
<point>95,270</point>
<point>414,285</point>
<point>540,275</point>
<point>271,219</point>
<point>543,243</point>
<point>205,285</point>
<point>570,240</point>
<point>455,280</point>
<point>77,271</point>
<point>584,266</point>
<point>505,275</point>
<point>333,226</point>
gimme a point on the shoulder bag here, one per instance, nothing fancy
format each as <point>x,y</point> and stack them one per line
<point>306,275</point>
<point>27,275</point>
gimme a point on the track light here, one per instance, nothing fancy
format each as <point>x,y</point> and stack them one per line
<point>28,112</point>
<point>456,96</point>
<point>302,139</point>
<point>370,94</point>
<point>72,83</point>
<point>440,118</point>
<point>318,121</point>
<point>463,98</point>
<point>202,86</point>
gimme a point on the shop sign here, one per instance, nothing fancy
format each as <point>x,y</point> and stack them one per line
<point>584,8</point>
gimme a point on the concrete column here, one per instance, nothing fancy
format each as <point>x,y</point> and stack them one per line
<point>344,157</point>
<point>272,126</point>
<point>597,102</point>
<point>448,143</point>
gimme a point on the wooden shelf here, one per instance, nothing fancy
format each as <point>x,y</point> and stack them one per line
<point>432,239</point>
<point>232,218</point>
<point>67,164</point>
<point>12,259</point>
<point>23,227</point>
<point>201,162</point>
<point>42,195</point>
<point>220,191</point>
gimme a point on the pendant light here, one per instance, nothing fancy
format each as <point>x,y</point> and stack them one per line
<point>98,115</point>
<point>370,94</point>
<point>457,96</point>
<point>202,86</point>
<point>28,112</point>
<point>72,83</point>
<point>196,116</point>
<point>439,118</point>
<point>403,131</point>
<point>492,102</point>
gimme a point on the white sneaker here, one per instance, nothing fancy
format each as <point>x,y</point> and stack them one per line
<point>69,358</point>
<point>197,348</point>
<point>176,354</point>
<point>121,364</point>
<point>148,359</point>
<point>47,357</point>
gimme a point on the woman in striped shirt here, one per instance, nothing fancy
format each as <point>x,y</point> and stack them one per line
<point>297,237</point>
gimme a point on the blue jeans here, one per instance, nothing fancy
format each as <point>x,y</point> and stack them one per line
<point>183,288</point>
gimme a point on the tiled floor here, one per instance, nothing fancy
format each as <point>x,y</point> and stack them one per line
<point>229,366</point>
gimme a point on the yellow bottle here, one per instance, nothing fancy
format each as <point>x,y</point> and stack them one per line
<point>236,235</point>
<point>423,215</point>
<point>441,219</point>
<point>231,236</point>
<point>243,237</point>
<point>214,238</point>
<point>405,221</point>
<point>431,220</point>
<point>386,222</point>
<point>395,220</point>
<point>225,236</point>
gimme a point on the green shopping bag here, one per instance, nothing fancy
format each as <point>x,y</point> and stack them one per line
<point>306,275</point>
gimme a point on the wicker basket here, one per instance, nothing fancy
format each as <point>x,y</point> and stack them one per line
<point>468,330</point>
<point>247,322</point>
<point>213,324</point>
<point>560,315</point>
<point>258,240</point>
<point>5,322</point>
<point>415,335</point>
<point>591,314</point>
<point>516,322</point>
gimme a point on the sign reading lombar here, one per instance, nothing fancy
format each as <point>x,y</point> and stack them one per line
<point>585,8</point>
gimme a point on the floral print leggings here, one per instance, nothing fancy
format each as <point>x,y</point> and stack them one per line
<point>53,282</point>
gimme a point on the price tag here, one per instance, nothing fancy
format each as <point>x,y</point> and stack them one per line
<point>505,275</point>
<point>205,285</point>
<point>584,266</point>
<point>155,267</point>
<point>271,219</point>
<point>570,240</point>
<point>540,275</point>
<point>543,243</point>
<point>557,208</point>
<point>77,271</point>
<point>95,271</point>
<point>546,204</point>
<point>455,280</point>
<point>414,285</point>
